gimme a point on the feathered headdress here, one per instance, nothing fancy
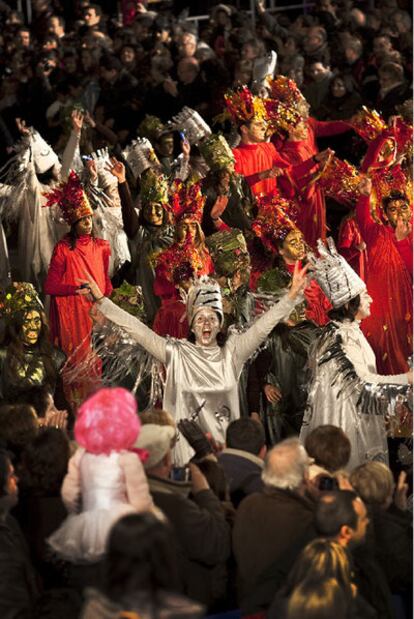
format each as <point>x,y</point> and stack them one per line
<point>368,124</point>
<point>180,262</point>
<point>283,104</point>
<point>340,180</point>
<point>243,106</point>
<point>334,275</point>
<point>217,152</point>
<point>19,297</point>
<point>186,200</point>
<point>71,198</point>
<point>276,218</point>
<point>154,188</point>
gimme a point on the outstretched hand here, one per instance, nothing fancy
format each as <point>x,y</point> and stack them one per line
<point>117,169</point>
<point>21,126</point>
<point>299,280</point>
<point>90,285</point>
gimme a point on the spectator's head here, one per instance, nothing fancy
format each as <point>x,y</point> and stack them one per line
<point>353,50</point>
<point>8,482</point>
<point>374,20</point>
<point>374,483</point>
<point>329,446</point>
<point>92,15</point>
<point>382,45</point>
<point>157,440</point>
<point>18,426</point>
<point>319,561</point>
<point>322,599</point>
<point>139,557</point>
<point>70,62</point>
<point>128,55</point>
<point>23,37</point>
<point>401,21</point>
<point>50,42</point>
<point>319,70</point>
<point>390,74</point>
<point>187,45</point>
<point>252,49</point>
<point>397,206</point>
<point>56,25</point>
<point>243,72</point>
<point>358,18</point>
<point>342,516</point>
<point>44,463</point>
<point>314,40</point>
<point>187,70</point>
<point>286,466</point>
<point>110,68</point>
<point>340,86</point>
<point>246,435</point>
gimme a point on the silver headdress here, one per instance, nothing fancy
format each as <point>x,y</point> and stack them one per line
<point>190,122</point>
<point>140,156</point>
<point>204,293</point>
<point>44,156</point>
<point>337,279</point>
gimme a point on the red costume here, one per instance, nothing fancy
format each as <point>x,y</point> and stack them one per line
<point>312,215</point>
<point>389,328</point>
<point>349,237</point>
<point>251,159</point>
<point>70,322</point>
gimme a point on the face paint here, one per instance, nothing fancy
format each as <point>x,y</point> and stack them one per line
<point>398,209</point>
<point>293,247</point>
<point>154,214</point>
<point>31,327</point>
<point>206,327</point>
<point>187,230</point>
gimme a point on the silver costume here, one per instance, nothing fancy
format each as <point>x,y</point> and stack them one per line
<point>346,391</point>
<point>201,382</point>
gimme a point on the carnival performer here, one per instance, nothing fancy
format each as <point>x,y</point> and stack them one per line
<point>38,170</point>
<point>187,258</point>
<point>202,377</point>
<point>345,389</point>
<point>229,200</point>
<point>294,137</point>
<point>277,378</point>
<point>76,253</point>
<point>265,170</point>
<point>389,280</point>
<point>105,479</point>
<point>149,232</point>
<point>28,361</point>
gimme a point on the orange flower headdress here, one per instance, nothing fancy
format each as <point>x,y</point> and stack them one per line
<point>283,106</point>
<point>243,106</point>
<point>368,124</point>
<point>71,199</point>
<point>340,180</point>
<point>276,218</point>
<point>187,201</point>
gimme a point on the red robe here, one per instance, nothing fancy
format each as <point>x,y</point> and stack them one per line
<point>317,304</point>
<point>251,159</point>
<point>389,328</point>
<point>312,214</point>
<point>70,322</point>
<point>349,236</point>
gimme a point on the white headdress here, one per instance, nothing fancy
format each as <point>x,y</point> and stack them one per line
<point>140,156</point>
<point>190,121</point>
<point>337,279</point>
<point>204,293</point>
<point>44,156</point>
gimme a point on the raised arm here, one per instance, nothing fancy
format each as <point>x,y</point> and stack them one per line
<point>72,144</point>
<point>364,219</point>
<point>246,343</point>
<point>129,214</point>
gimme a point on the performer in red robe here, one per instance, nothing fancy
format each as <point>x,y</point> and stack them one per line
<point>265,170</point>
<point>389,327</point>
<point>177,265</point>
<point>76,254</point>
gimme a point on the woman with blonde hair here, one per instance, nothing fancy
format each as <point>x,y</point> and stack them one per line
<point>321,561</point>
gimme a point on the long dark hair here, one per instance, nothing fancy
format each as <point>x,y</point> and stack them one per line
<point>139,558</point>
<point>16,350</point>
<point>347,311</point>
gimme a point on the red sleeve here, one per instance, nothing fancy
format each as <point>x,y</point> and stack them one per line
<point>405,249</point>
<point>57,268</point>
<point>324,129</point>
<point>347,239</point>
<point>366,224</point>
<point>106,258</point>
